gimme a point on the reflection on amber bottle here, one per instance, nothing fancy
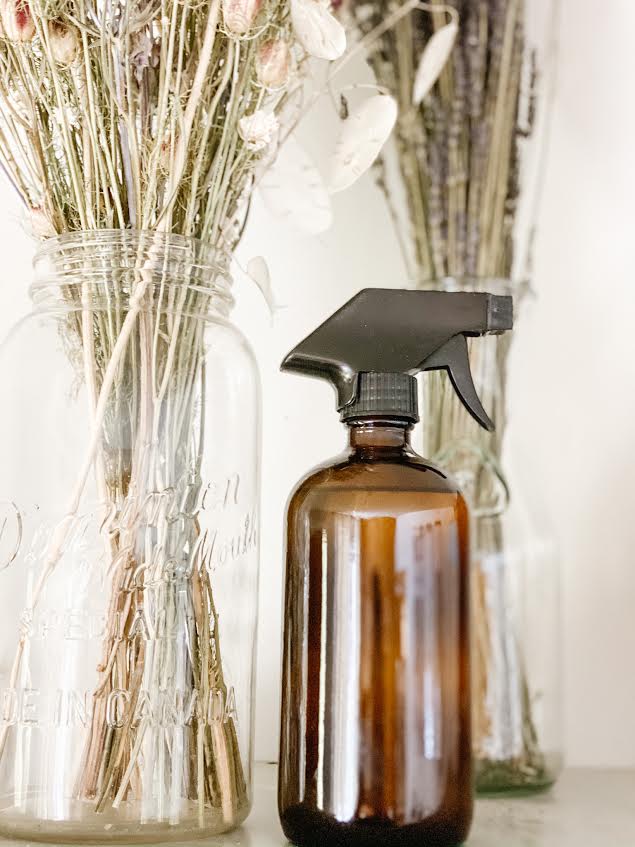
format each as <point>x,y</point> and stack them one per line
<point>375,745</point>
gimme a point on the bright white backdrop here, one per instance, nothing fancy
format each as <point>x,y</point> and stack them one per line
<point>573,370</point>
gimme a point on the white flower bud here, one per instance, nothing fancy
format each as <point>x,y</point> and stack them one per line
<point>258,130</point>
<point>64,43</point>
<point>17,20</point>
<point>272,64</point>
<point>239,15</point>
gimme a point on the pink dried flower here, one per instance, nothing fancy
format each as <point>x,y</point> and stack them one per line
<point>239,15</point>
<point>17,20</point>
<point>272,64</point>
<point>64,42</point>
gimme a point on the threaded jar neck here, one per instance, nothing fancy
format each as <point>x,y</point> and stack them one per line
<point>96,265</point>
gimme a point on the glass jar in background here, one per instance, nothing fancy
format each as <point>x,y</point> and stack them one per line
<point>129,498</point>
<point>517,649</point>
<point>463,179</point>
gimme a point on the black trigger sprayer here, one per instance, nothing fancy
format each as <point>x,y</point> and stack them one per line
<point>371,349</point>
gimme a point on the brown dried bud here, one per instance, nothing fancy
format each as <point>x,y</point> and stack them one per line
<point>17,20</point>
<point>166,155</point>
<point>272,64</point>
<point>64,42</point>
<point>239,15</point>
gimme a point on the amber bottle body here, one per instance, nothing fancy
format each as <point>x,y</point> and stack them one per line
<point>376,720</point>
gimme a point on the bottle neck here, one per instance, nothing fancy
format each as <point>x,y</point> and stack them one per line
<point>381,436</point>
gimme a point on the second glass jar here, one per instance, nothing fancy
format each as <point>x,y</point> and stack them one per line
<point>516,661</point>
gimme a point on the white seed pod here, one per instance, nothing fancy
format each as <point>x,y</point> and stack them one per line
<point>41,226</point>
<point>293,190</point>
<point>272,64</point>
<point>239,15</point>
<point>258,271</point>
<point>361,141</point>
<point>433,59</point>
<point>258,130</point>
<point>317,30</point>
<point>17,20</point>
<point>64,43</point>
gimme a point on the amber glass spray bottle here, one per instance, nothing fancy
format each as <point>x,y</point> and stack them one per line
<point>376,722</point>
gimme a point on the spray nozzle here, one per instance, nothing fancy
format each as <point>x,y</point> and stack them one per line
<point>372,348</point>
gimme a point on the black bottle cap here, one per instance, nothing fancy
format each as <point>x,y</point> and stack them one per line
<point>384,395</point>
<point>371,349</point>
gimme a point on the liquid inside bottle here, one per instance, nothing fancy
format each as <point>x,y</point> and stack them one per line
<point>376,736</point>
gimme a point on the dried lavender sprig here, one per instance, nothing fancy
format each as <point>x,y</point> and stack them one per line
<point>464,138</point>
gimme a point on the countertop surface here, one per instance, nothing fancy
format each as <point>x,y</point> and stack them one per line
<point>587,808</point>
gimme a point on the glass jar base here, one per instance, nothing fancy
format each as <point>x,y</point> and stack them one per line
<point>82,825</point>
<point>494,778</point>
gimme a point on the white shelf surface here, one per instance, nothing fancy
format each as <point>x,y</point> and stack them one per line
<point>587,808</point>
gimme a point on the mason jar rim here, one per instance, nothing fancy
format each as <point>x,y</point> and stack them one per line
<point>75,258</point>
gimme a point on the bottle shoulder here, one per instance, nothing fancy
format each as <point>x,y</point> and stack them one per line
<point>409,474</point>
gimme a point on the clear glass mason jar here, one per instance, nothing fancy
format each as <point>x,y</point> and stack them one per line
<point>516,621</point>
<point>129,498</point>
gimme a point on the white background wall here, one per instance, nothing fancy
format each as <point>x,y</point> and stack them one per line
<point>573,370</point>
